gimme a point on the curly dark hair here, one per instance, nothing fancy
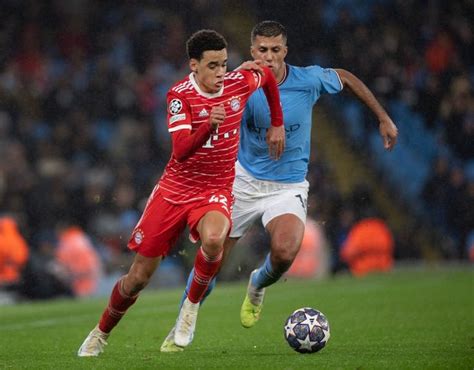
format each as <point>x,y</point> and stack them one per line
<point>204,40</point>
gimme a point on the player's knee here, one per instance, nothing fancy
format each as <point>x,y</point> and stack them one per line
<point>213,244</point>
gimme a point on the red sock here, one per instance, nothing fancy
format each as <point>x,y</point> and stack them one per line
<point>119,302</point>
<point>205,267</point>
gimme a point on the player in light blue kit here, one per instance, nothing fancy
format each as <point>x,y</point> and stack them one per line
<point>277,191</point>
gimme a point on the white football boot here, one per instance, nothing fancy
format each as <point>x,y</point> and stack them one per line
<point>186,323</point>
<point>94,344</point>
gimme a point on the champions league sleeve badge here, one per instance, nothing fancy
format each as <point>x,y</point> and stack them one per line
<point>175,106</point>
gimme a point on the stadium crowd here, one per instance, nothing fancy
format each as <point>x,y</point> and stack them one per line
<point>83,136</point>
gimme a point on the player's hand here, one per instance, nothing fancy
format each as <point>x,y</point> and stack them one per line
<point>276,141</point>
<point>217,116</point>
<point>252,65</point>
<point>389,133</point>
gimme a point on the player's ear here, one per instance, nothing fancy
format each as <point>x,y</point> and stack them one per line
<point>252,52</point>
<point>285,51</point>
<point>193,65</point>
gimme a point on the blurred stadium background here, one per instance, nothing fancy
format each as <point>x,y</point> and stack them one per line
<point>83,136</point>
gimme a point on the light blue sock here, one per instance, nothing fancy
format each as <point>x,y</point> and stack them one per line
<point>265,275</point>
<point>211,286</point>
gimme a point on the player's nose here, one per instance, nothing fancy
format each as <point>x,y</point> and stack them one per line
<point>220,72</point>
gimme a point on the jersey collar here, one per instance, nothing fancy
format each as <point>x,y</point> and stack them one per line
<point>285,76</point>
<point>200,92</point>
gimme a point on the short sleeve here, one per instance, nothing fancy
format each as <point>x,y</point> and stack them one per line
<point>326,80</point>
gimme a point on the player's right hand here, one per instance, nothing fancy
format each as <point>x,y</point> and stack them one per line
<point>389,132</point>
<point>217,116</point>
<point>276,141</point>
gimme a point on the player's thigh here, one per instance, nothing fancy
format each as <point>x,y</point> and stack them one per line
<point>159,227</point>
<point>210,220</point>
<point>286,234</point>
<point>213,227</point>
<point>285,217</point>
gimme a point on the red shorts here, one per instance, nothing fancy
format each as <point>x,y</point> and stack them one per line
<point>163,222</point>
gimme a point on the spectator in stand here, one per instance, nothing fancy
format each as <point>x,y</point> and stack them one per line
<point>369,247</point>
<point>79,260</point>
<point>13,253</point>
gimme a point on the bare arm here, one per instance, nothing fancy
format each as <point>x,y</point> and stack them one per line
<point>388,130</point>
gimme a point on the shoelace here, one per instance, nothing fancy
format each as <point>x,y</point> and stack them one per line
<point>92,344</point>
<point>188,319</point>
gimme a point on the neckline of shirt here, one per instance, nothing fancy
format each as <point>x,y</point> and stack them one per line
<point>285,76</point>
<point>203,93</point>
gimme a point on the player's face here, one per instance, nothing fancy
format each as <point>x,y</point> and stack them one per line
<point>272,50</point>
<point>210,70</point>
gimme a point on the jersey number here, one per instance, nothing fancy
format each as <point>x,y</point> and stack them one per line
<point>303,202</point>
<point>220,199</point>
<point>208,143</point>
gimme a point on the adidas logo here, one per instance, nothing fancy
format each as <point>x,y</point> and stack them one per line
<point>203,113</point>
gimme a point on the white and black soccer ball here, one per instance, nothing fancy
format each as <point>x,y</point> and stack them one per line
<point>307,330</point>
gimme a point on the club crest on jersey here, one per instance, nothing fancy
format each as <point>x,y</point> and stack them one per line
<point>235,104</point>
<point>138,236</point>
<point>175,106</point>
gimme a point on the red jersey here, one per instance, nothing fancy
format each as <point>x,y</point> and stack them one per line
<point>211,166</point>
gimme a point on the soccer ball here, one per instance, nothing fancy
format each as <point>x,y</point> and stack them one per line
<point>307,330</point>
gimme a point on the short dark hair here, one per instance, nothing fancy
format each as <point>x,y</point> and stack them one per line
<point>268,29</point>
<point>204,40</point>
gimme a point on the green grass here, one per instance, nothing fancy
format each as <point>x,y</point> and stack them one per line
<point>410,319</point>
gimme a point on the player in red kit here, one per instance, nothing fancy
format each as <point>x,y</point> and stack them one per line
<point>204,114</point>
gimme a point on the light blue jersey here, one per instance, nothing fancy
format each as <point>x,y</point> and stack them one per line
<point>299,91</point>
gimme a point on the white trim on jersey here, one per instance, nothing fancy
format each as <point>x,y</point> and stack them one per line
<point>198,89</point>
<point>259,81</point>
<point>181,87</point>
<point>339,78</point>
<point>180,127</point>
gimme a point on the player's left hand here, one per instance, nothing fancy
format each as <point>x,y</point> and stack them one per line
<point>276,141</point>
<point>252,65</point>
<point>389,132</point>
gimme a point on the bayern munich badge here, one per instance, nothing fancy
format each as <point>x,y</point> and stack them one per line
<point>138,237</point>
<point>235,104</point>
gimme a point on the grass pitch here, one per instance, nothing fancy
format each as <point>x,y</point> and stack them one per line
<point>408,319</point>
